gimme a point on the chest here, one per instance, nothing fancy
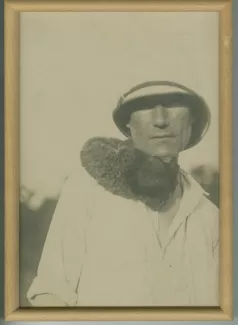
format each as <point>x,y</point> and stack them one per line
<point>124,232</point>
<point>125,263</point>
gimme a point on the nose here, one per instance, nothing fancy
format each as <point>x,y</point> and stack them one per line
<point>160,117</point>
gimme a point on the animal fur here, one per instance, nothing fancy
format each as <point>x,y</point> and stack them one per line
<point>118,167</point>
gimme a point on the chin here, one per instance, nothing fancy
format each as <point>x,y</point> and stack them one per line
<point>163,153</point>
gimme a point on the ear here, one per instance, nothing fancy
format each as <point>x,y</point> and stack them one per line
<point>188,136</point>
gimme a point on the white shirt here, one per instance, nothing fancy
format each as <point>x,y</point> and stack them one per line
<point>103,250</point>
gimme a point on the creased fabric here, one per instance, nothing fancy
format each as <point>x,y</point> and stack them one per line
<point>102,248</point>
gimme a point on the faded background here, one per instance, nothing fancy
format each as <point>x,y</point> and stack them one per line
<point>74,67</point>
<point>235,177</point>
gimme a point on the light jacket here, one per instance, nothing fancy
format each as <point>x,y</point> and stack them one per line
<point>102,248</point>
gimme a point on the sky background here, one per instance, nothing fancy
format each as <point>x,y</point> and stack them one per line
<point>75,66</point>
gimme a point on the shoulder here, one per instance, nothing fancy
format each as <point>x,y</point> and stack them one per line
<point>207,214</point>
<point>205,211</point>
<point>209,211</point>
<point>76,196</point>
<point>209,219</point>
<point>78,183</point>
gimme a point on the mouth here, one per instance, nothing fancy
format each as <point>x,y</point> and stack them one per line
<point>162,136</point>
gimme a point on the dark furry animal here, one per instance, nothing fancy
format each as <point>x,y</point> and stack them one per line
<point>125,171</point>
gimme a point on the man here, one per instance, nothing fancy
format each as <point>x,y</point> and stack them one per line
<point>131,228</point>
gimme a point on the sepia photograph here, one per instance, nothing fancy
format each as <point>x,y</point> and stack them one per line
<point>119,159</point>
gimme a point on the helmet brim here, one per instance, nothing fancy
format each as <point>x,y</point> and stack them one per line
<point>196,104</point>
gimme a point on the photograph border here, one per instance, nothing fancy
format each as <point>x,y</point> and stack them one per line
<point>12,10</point>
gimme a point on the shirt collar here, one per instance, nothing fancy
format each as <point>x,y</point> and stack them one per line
<point>192,194</point>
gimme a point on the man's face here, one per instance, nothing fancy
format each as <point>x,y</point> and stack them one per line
<point>161,131</point>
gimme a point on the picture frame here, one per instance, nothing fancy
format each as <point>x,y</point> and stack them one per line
<point>13,312</point>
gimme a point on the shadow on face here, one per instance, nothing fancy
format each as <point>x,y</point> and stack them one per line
<point>161,131</point>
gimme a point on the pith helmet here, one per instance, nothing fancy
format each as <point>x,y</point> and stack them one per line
<point>151,93</point>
